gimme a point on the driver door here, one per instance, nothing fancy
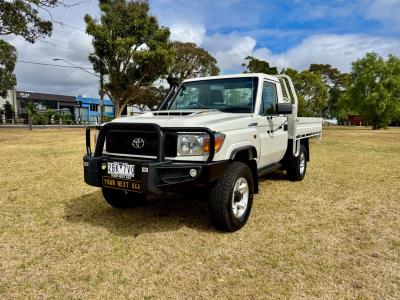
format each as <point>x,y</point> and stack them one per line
<point>270,128</point>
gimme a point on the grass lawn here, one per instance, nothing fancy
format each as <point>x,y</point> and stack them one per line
<point>334,235</point>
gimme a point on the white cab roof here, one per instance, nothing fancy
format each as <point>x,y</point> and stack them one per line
<point>241,75</point>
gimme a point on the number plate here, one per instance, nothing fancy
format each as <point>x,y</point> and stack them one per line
<point>120,170</point>
<point>122,184</point>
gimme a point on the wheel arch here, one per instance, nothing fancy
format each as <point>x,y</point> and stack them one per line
<point>289,154</point>
<point>247,155</point>
<point>249,150</point>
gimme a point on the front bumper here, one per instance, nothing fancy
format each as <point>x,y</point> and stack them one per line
<point>156,177</point>
<point>152,176</point>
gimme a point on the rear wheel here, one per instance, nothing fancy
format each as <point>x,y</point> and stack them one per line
<point>123,199</point>
<point>298,165</point>
<point>231,198</point>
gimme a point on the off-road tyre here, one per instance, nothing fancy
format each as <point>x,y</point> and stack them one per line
<point>123,199</point>
<point>222,199</point>
<point>297,166</point>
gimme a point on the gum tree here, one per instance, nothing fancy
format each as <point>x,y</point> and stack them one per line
<point>8,58</point>
<point>311,92</point>
<point>374,90</point>
<point>254,65</point>
<point>130,48</point>
<point>191,61</point>
<point>335,82</point>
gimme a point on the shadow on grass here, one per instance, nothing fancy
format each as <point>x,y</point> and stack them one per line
<point>277,175</point>
<point>159,214</point>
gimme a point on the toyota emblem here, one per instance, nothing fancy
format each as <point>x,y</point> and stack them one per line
<point>137,143</point>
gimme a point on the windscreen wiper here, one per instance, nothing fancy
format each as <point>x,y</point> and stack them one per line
<point>235,109</point>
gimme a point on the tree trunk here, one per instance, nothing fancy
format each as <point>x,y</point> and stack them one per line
<point>118,109</point>
<point>376,126</point>
<point>30,123</point>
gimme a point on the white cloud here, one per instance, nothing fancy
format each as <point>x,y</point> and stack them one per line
<point>386,10</point>
<point>74,48</point>
<point>337,50</point>
<point>229,49</point>
<point>232,59</point>
<point>185,32</point>
<point>69,42</point>
<point>316,10</point>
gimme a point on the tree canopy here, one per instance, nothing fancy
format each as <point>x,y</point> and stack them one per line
<point>21,18</point>
<point>152,96</point>
<point>335,82</point>
<point>8,58</point>
<point>191,61</point>
<point>130,46</point>
<point>311,93</point>
<point>254,65</point>
<point>374,89</point>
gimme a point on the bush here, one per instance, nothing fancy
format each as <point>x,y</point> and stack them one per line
<point>8,110</point>
<point>39,119</point>
<point>45,118</point>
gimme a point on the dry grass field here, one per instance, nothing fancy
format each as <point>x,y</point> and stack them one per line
<point>334,235</point>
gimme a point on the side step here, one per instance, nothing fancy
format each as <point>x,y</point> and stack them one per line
<point>268,169</point>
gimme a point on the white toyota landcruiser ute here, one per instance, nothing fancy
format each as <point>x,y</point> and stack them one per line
<point>218,134</point>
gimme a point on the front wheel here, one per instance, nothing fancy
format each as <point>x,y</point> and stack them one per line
<point>231,198</point>
<point>123,199</point>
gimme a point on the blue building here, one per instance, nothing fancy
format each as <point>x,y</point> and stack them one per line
<point>88,110</point>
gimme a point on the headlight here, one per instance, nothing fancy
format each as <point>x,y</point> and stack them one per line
<point>197,144</point>
<point>190,144</point>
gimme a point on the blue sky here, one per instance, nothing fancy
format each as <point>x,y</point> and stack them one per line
<point>291,33</point>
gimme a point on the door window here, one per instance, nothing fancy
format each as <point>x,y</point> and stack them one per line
<point>269,98</point>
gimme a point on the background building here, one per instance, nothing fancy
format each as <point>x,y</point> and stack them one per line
<point>43,102</point>
<point>356,120</point>
<point>88,110</point>
<point>83,109</point>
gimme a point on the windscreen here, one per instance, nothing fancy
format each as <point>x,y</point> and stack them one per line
<point>230,95</point>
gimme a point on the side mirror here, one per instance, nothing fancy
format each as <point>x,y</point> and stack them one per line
<point>283,108</point>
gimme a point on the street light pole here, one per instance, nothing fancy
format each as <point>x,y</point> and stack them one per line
<point>101,98</point>
<point>101,93</point>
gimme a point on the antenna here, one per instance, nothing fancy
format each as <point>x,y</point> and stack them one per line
<point>284,56</point>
